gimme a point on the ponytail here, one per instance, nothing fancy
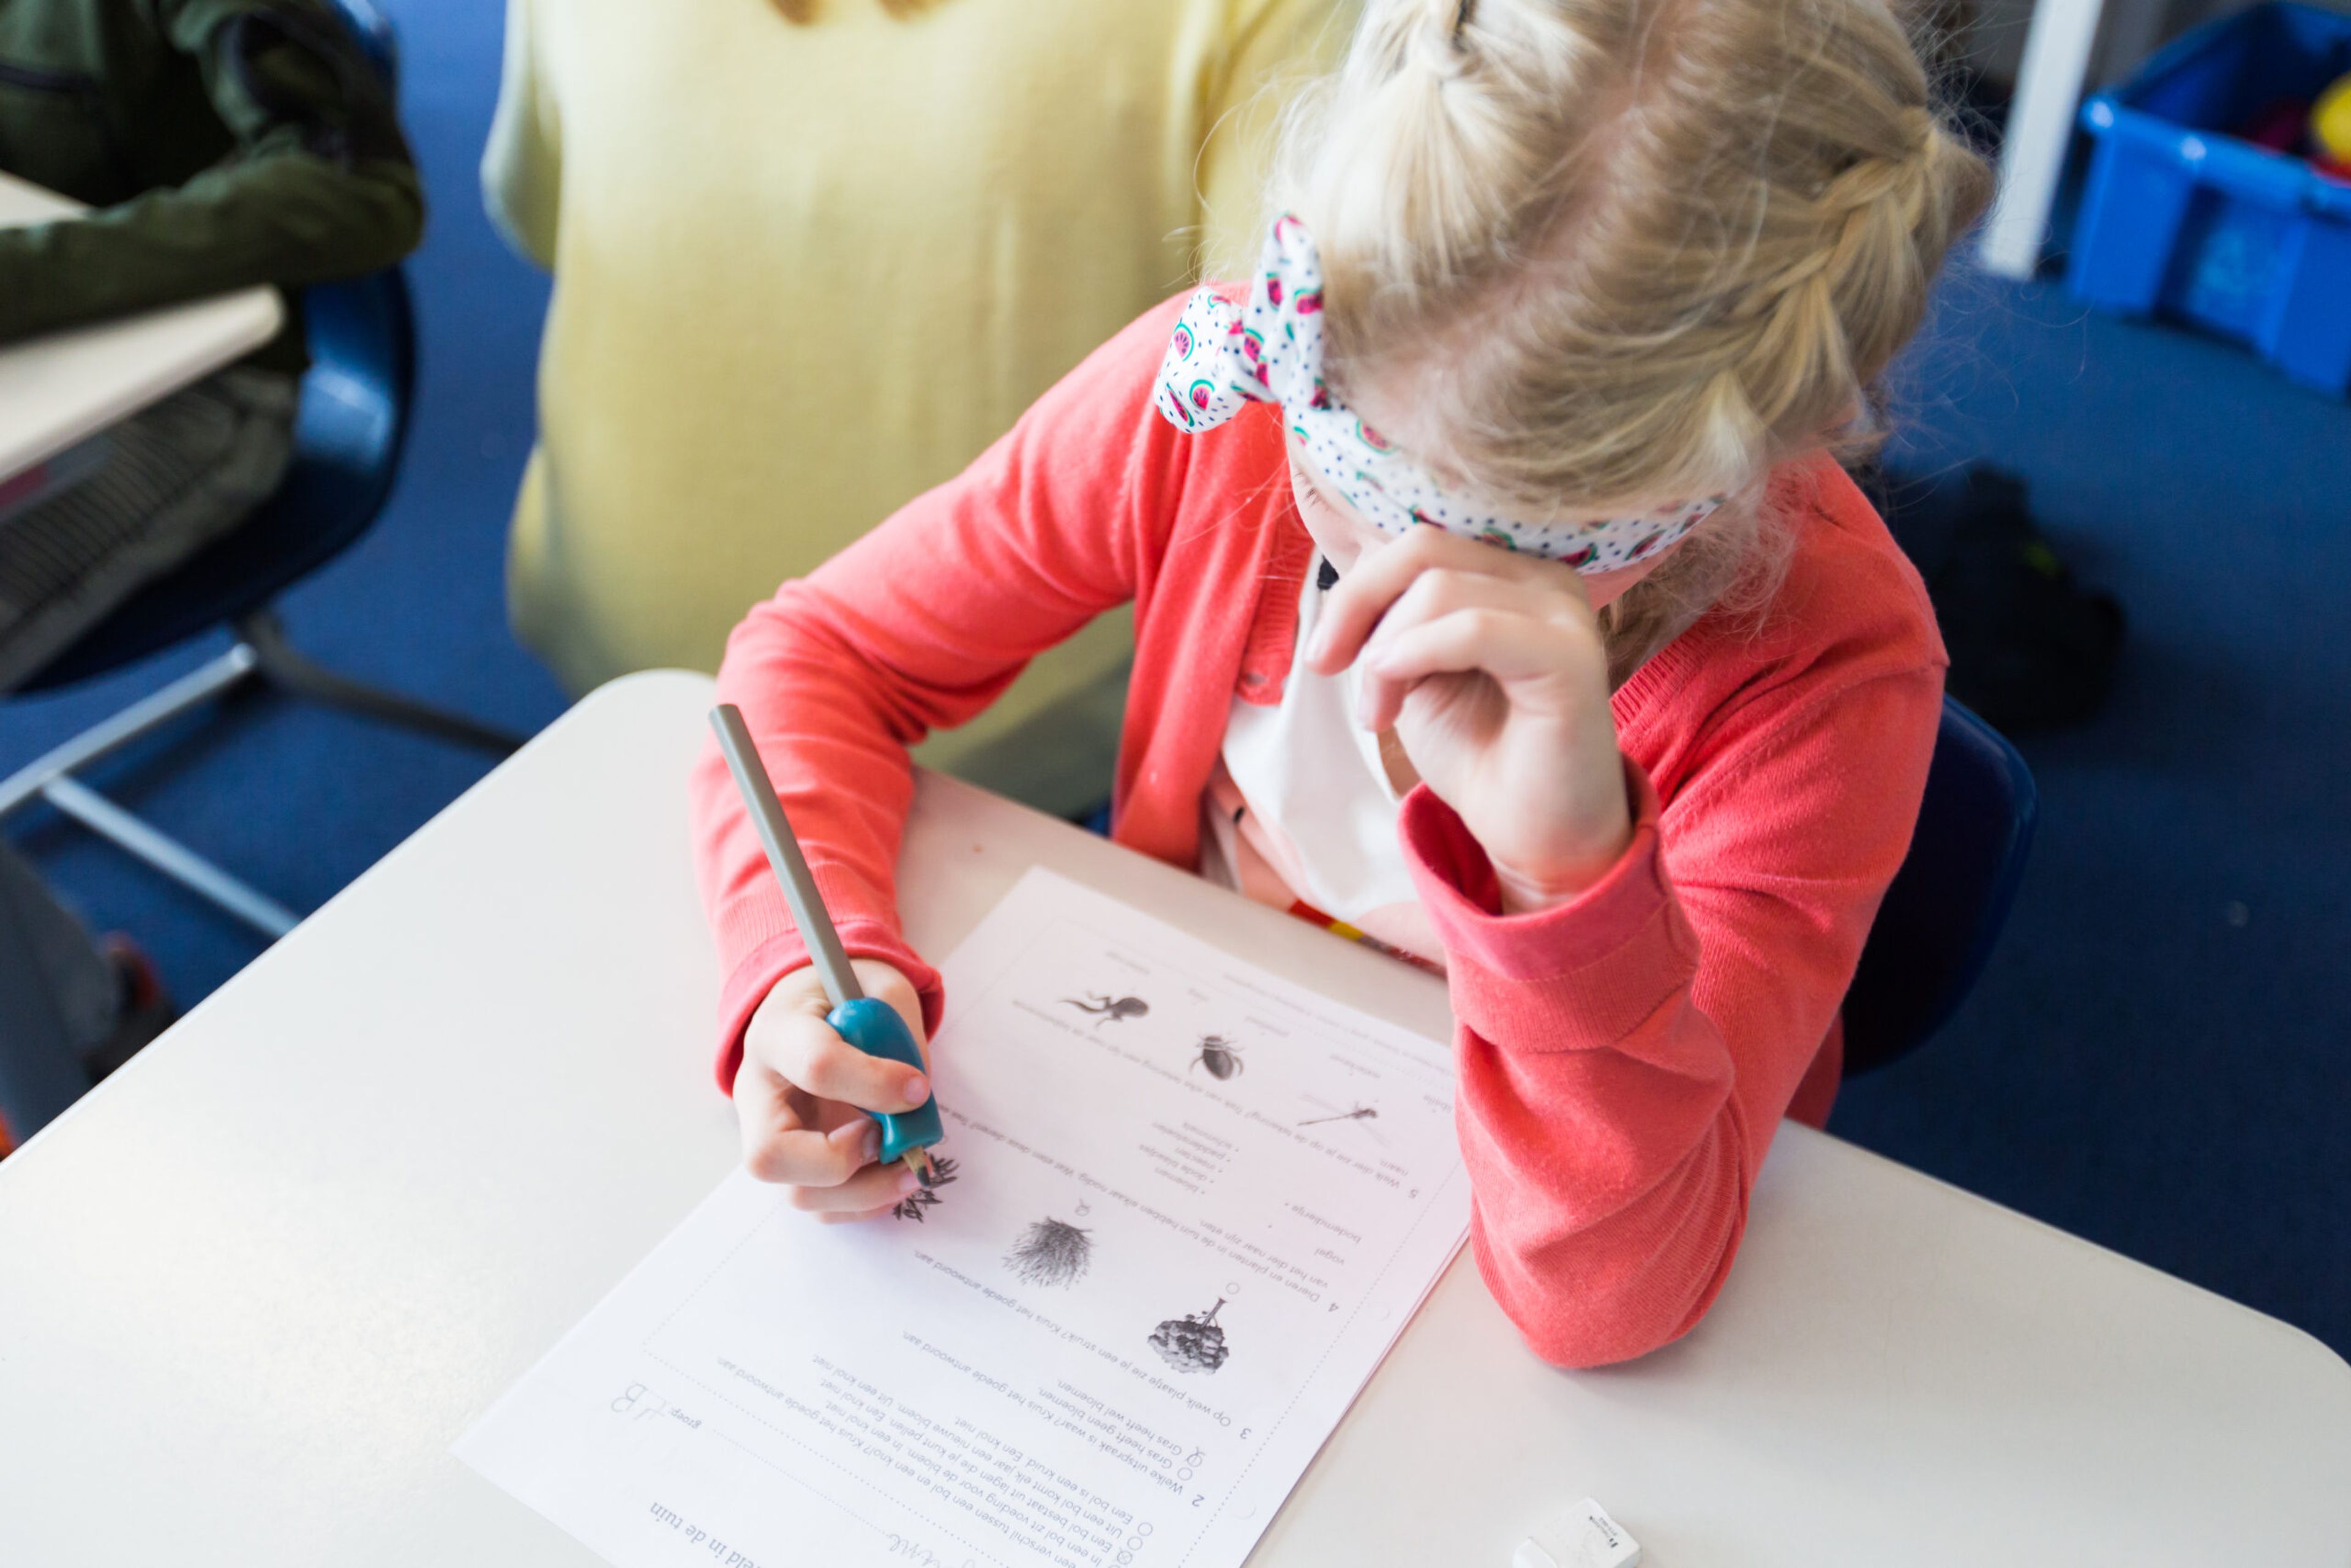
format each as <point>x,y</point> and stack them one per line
<point>1602,250</point>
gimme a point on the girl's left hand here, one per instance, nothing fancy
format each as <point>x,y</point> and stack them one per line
<point>1493,671</point>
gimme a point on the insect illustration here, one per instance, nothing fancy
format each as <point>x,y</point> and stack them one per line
<point>1051,1252</point>
<point>1113,1009</point>
<point>1194,1343</point>
<point>911,1206</point>
<point>1220,1056</point>
<point>1360,1114</point>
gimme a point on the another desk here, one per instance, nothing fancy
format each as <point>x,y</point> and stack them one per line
<point>65,387</point>
<point>254,1285</point>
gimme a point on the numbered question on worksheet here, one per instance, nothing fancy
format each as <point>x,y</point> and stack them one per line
<point>1182,1209</point>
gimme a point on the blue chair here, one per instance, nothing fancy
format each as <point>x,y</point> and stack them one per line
<point>1946,904</point>
<point>348,436</point>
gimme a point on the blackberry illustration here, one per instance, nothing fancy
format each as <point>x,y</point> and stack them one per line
<point>1193,1344</point>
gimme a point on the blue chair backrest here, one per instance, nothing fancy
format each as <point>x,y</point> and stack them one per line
<point>363,336</point>
<point>348,436</point>
<point>363,339</point>
<point>357,394</point>
<point>355,399</point>
<point>1946,904</point>
<point>376,39</point>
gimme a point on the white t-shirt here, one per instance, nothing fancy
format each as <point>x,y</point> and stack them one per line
<point>1304,799</point>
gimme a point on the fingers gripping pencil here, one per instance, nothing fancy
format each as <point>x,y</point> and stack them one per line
<point>872,1026</point>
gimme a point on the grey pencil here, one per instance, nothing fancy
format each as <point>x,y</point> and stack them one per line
<point>784,854</point>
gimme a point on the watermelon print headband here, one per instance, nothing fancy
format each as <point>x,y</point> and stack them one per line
<point>1270,350</point>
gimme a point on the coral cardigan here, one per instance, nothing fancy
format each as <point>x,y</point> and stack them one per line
<point>1624,1059</point>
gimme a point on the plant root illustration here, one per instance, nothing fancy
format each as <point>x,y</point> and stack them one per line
<point>911,1206</point>
<point>1220,1056</point>
<point>1051,1252</point>
<point>1112,1009</point>
<point>1360,1114</point>
<point>1193,1344</point>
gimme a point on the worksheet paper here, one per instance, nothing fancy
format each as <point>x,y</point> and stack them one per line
<point>1186,1206</point>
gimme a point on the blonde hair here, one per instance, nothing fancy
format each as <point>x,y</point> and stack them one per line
<point>1614,250</point>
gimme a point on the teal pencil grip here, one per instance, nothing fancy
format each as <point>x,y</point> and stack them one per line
<point>874,1028</point>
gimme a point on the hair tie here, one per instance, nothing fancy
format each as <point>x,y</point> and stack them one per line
<point>1268,349</point>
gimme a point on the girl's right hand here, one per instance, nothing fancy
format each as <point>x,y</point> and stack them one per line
<point>803,1095</point>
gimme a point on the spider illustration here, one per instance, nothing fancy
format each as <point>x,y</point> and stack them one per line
<point>1360,1114</point>
<point>1220,1056</point>
<point>911,1206</point>
<point>1113,1009</point>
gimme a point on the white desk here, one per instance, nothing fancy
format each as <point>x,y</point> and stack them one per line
<point>252,1287</point>
<point>65,387</point>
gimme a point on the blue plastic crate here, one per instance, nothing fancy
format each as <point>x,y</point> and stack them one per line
<point>2181,219</point>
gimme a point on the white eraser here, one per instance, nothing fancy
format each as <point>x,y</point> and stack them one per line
<point>1582,1537</point>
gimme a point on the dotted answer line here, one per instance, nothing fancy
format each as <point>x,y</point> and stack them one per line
<point>817,1453</point>
<point>646,1346</point>
<point>1312,1372</point>
<point>718,1269</point>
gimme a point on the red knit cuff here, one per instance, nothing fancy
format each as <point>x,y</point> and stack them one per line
<point>1581,974</point>
<point>1464,898</point>
<point>781,954</point>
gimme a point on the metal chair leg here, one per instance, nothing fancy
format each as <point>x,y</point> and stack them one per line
<point>279,663</point>
<point>199,685</point>
<point>261,651</point>
<point>50,778</point>
<point>168,855</point>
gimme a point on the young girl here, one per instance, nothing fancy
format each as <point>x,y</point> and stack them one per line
<point>1495,595</point>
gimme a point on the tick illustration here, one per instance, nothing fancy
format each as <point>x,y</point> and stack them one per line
<point>1112,1009</point>
<point>1220,1056</point>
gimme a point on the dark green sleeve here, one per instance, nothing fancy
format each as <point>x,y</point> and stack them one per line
<point>320,185</point>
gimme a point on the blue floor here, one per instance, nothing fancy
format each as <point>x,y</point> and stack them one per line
<point>2154,1059</point>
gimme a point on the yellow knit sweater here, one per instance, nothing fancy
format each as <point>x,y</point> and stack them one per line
<point>805,271</point>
